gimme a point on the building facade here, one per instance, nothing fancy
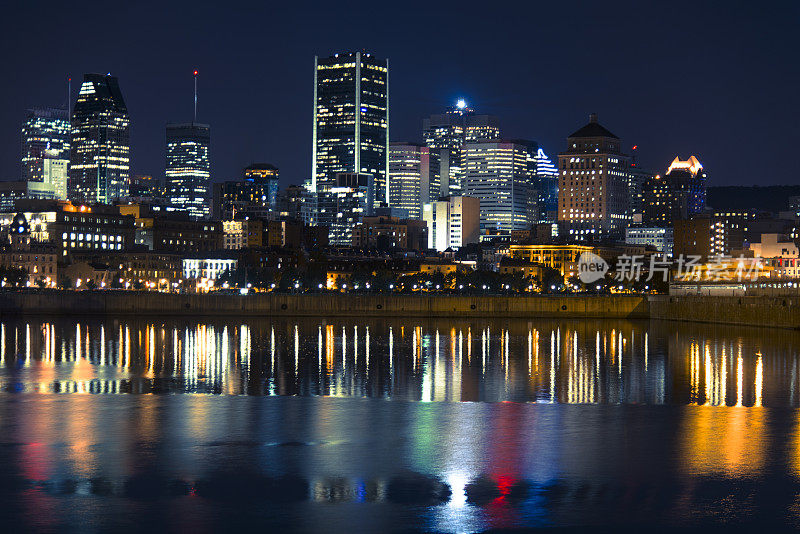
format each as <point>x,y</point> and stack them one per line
<point>46,149</point>
<point>501,174</point>
<point>452,222</point>
<point>100,142</point>
<point>72,228</point>
<point>545,184</point>
<point>448,132</point>
<point>659,238</point>
<point>679,194</point>
<point>350,124</point>
<point>414,175</point>
<point>188,169</point>
<point>349,201</point>
<point>593,188</point>
<point>386,233</point>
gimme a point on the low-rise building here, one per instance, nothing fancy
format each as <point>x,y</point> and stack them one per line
<point>660,239</point>
<point>390,232</point>
<point>72,228</point>
<point>521,267</point>
<point>562,258</point>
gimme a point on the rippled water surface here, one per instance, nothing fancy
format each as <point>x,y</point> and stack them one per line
<point>396,424</point>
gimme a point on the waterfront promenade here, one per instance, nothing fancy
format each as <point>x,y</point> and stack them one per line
<point>781,312</point>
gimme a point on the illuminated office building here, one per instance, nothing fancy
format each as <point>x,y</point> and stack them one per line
<point>188,170</point>
<point>413,177</point>
<point>350,125</point>
<point>546,185</point>
<point>100,145</point>
<point>349,200</point>
<point>265,177</point>
<point>255,195</point>
<point>679,194</point>
<point>452,222</point>
<point>45,149</point>
<point>501,174</point>
<point>448,132</point>
<point>593,188</point>
<point>690,179</point>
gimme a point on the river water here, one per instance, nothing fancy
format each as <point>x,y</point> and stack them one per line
<point>386,425</point>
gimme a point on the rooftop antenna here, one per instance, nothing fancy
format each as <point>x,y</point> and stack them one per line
<point>69,97</point>
<point>195,96</point>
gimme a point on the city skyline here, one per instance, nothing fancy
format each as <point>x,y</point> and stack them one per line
<point>662,102</point>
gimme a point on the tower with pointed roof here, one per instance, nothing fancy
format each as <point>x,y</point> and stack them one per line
<point>593,192</point>
<point>100,144</point>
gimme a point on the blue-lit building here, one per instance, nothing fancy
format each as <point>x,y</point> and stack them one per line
<point>255,195</point>
<point>545,183</point>
<point>188,170</point>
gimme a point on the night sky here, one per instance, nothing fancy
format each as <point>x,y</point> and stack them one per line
<point>718,80</point>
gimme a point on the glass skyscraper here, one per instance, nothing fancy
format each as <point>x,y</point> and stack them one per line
<point>501,174</point>
<point>45,148</point>
<point>350,125</point>
<point>414,173</point>
<point>188,170</point>
<point>100,146</point>
<point>546,184</point>
<point>449,132</point>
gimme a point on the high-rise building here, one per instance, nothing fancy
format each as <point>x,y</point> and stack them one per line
<point>679,194</point>
<point>501,174</point>
<point>448,132</point>
<point>100,142</point>
<point>413,177</point>
<point>350,200</point>
<point>188,169</point>
<point>255,195</point>
<point>546,185</point>
<point>350,125</point>
<point>265,177</point>
<point>690,179</point>
<point>593,189</point>
<point>452,222</point>
<point>45,149</point>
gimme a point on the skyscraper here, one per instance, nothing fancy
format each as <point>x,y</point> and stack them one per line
<point>45,148</point>
<point>448,132</point>
<point>351,200</point>
<point>546,185</point>
<point>501,174</point>
<point>350,125</point>
<point>264,177</point>
<point>100,145</point>
<point>188,168</point>
<point>255,195</point>
<point>593,193</point>
<point>414,173</point>
<point>679,194</point>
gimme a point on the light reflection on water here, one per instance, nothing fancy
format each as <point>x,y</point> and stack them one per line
<point>611,423</point>
<point>574,362</point>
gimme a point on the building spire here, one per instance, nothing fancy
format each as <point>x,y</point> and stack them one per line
<point>195,96</point>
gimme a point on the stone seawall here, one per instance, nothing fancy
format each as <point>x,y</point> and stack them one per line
<point>782,312</point>
<point>151,303</point>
